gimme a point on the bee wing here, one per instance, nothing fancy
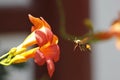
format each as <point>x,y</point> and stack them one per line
<point>85,40</point>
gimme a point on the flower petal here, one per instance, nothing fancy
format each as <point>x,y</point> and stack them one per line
<point>55,39</point>
<point>39,58</point>
<point>45,23</point>
<point>36,22</point>
<point>44,35</point>
<point>49,34</point>
<point>40,37</point>
<point>115,28</point>
<point>52,52</point>
<point>50,67</point>
<point>118,43</point>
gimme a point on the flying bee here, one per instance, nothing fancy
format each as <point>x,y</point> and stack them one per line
<point>82,44</point>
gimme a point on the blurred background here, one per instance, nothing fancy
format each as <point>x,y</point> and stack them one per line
<point>101,64</point>
<point>105,57</point>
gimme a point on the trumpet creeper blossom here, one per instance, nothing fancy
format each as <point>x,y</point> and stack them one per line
<point>114,31</point>
<point>47,50</point>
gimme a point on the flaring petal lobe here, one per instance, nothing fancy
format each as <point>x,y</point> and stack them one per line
<point>51,51</point>
<point>50,67</point>
<point>36,22</point>
<point>39,58</point>
<point>40,37</point>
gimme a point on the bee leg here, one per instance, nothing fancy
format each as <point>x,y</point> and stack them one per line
<point>76,45</point>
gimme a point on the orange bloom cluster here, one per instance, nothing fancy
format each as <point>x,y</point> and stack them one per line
<point>47,50</point>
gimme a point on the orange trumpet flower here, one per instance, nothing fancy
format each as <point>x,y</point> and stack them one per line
<point>47,50</point>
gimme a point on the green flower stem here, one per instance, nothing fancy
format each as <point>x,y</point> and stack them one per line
<point>62,23</point>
